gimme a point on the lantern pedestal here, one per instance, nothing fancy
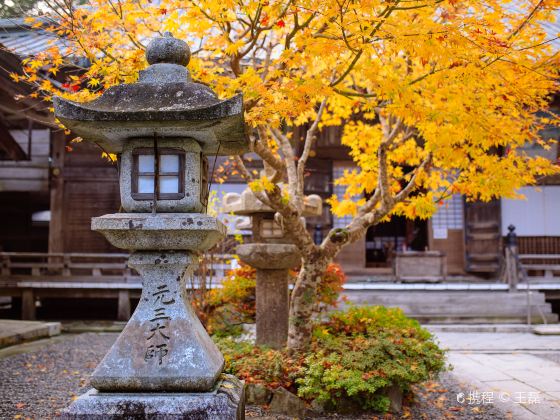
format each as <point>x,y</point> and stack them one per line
<point>164,347</point>
<point>272,262</point>
<point>224,402</point>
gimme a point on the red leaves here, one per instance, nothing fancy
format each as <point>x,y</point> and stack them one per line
<point>281,23</point>
<point>163,11</point>
<point>74,87</point>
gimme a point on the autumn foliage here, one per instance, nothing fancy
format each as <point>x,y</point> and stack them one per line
<point>353,357</point>
<point>438,97</point>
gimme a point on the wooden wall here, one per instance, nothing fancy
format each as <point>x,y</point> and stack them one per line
<point>17,231</point>
<point>90,188</point>
<point>454,248</point>
<point>27,175</point>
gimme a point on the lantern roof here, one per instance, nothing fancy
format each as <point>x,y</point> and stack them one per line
<point>165,102</point>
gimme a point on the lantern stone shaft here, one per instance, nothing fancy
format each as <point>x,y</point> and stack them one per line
<point>164,365</point>
<point>272,255</point>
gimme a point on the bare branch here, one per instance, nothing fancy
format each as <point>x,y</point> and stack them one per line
<point>405,192</point>
<point>289,161</point>
<point>266,154</point>
<point>309,137</point>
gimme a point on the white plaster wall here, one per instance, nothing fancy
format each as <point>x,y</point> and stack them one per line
<point>537,215</point>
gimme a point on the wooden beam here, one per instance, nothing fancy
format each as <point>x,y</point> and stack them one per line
<point>9,145</point>
<point>56,232</point>
<point>28,312</point>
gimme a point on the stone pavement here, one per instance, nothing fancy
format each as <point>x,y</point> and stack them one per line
<point>517,372</point>
<point>15,332</point>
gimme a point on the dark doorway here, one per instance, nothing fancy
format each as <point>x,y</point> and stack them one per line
<point>399,234</point>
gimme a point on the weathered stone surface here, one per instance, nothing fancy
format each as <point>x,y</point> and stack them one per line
<point>173,231</point>
<point>284,402</point>
<point>317,407</point>
<point>257,394</point>
<point>269,256</point>
<point>395,395</point>
<point>225,402</point>
<point>272,307</point>
<point>190,203</point>
<point>247,203</point>
<point>164,347</point>
<point>164,101</point>
<point>167,49</point>
<point>15,332</point>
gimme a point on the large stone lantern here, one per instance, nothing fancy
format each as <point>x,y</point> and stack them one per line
<point>163,365</point>
<point>272,254</point>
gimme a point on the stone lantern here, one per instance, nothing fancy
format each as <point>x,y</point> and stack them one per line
<point>272,254</point>
<point>164,365</point>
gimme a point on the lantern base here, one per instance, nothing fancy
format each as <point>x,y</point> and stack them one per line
<point>225,402</point>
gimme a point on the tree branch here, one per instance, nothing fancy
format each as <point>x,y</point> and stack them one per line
<point>289,161</point>
<point>309,136</point>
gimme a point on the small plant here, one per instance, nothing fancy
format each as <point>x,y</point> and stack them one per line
<point>224,310</point>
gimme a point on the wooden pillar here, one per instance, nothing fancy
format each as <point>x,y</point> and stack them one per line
<point>27,305</point>
<point>272,307</point>
<point>123,311</point>
<point>56,180</point>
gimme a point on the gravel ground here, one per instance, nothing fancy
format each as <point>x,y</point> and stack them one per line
<point>39,383</point>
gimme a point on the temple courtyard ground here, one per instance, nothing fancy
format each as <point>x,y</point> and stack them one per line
<point>495,376</point>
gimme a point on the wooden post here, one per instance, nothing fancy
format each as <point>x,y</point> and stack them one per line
<point>27,304</point>
<point>56,176</point>
<point>123,311</point>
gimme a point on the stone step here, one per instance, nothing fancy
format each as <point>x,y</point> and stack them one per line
<point>454,319</point>
<point>444,297</point>
<point>459,307</point>
<point>14,332</point>
<point>468,312</point>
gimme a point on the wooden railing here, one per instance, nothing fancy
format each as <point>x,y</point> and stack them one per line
<point>20,266</point>
<point>542,266</point>
<point>32,275</point>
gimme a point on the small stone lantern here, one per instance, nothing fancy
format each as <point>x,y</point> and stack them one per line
<point>164,365</point>
<point>272,254</point>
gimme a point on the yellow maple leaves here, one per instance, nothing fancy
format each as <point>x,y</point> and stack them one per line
<point>464,80</point>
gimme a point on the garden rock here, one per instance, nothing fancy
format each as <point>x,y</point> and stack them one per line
<point>284,402</point>
<point>257,394</point>
<point>395,395</point>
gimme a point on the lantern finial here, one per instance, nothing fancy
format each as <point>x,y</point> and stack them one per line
<point>167,49</point>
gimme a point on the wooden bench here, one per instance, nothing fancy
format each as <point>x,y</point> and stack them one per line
<point>30,276</point>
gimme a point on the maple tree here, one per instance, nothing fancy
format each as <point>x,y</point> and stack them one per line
<point>437,97</point>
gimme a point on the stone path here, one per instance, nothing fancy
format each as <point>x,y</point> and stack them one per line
<point>40,378</point>
<point>14,332</point>
<point>517,372</point>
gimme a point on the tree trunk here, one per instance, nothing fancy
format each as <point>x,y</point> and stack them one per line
<point>303,298</point>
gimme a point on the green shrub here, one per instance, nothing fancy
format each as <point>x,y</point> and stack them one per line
<point>359,352</point>
<point>353,356</point>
